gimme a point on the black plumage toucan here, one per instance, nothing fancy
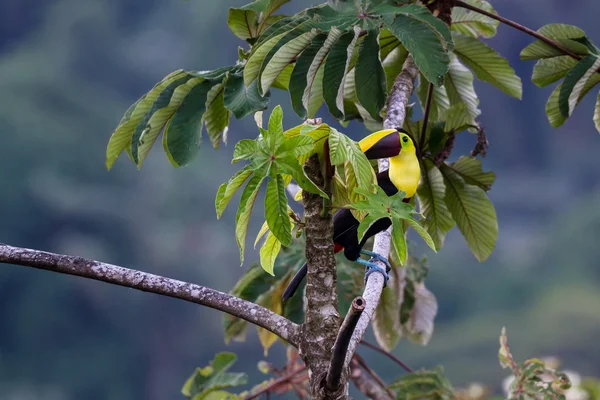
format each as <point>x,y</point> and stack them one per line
<point>404,174</point>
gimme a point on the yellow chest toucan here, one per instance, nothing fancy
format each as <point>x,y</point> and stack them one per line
<point>404,174</point>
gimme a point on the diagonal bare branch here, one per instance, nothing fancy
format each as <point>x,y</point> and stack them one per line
<point>146,282</point>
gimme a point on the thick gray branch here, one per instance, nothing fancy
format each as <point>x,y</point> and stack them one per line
<point>395,115</point>
<point>146,282</point>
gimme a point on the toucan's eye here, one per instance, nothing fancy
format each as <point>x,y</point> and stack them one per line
<point>405,139</point>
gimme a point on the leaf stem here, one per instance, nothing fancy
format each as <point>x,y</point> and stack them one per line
<point>274,383</point>
<point>518,26</point>
<point>388,355</point>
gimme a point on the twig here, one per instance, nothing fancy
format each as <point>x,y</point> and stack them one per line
<point>518,26</point>
<point>387,354</point>
<point>341,343</point>
<point>366,385</point>
<point>395,115</point>
<point>363,364</point>
<point>146,282</point>
<point>426,116</point>
<point>274,383</point>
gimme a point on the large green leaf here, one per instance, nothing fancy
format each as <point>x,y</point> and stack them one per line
<point>228,189</point>
<point>424,42</point>
<point>549,70</point>
<point>487,64</point>
<point>298,80</point>
<point>470,169</point>
<point>212,378</point>
<point>259,52</point>
<point>243,23</point>
<point>424,384</point>
<point>472,23</point>
<point>342,149</point>
<point>370,76</point>
<point>440,103</point>
<point>399,240</point>
<point>392,63</point>
<point>561,33</point>
<point>216,118</point>
<point>242,100</point>
<point>574,83</point>
<point>460,90</point>
<point>242,217</point>
<point>276,211</point>
<point>268,253</point>
<point>284,52</point>
<point>122,136</point>
<point>555,117</point>
<point>312,98</point>
<point>473,212</point>
<point>183,132</point>
<point>597,113</point>
<point>335,72</point>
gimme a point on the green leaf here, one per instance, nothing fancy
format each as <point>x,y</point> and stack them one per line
<point>472,23</point>
<point>425,44</point>
<point>243,23</point>
<point>424,384</point>
<point>284,52</point>
<point>312,98</point>
<point>420,323</point>
<point>335,72</point>
<point>549,70</point>
<point>242,217</point>
<point>296,145</point>
<point>276,122</point>
<point>213,377</point>
<point>431,192</point>
<point>365,224</point>
<point>470,169</point>
<point>259,52</point>
<point>245,149</point>
<point>574,83</point>
<point>460,90</point>
<point>473,212</point>
<point>487,64</point>
<point>122,136</point>
<point>597,113</point>
<point>298,80</point>
<point>183,133</point>
<point>268,253</point>
<point>561,33</point>
<point>393,62</point>
<point>422,232</point>
<point>276,211</point>
<point>386,321</point>
<point>228,189</point>
<point>555,117</point>
<point>242,100</point>
<point>399,240</point>
<point>440,103</point>
<point>341,149</point>
<point>216,118</point>
<point>290,165</point>
<point>370,76</point>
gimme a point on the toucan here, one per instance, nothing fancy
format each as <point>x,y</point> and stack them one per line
<point>403,174</point>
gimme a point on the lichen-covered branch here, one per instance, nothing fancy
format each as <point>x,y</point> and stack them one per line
<point>322,319</point>
<point>395,115</point>
<point>367,385</point>
<point>146,282</point>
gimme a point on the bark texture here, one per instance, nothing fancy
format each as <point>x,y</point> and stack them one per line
<point>322,321</point>
<point>146,282</point>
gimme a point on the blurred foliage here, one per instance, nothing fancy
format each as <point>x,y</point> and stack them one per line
<point>70,68</point>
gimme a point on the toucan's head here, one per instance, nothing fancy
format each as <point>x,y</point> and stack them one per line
<point>386,143</point>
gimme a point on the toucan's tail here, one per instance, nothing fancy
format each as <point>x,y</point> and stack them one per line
<point>295,283</point>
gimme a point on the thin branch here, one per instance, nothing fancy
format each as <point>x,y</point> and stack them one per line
<point>367,386</point>
<point>341,343</point>
<point>363,364</point>
<point>387,354</point>
<point>520,27</point>
<point>275,383</point>
<point>426,117</point>
<point>157,284</point>
<point>395,115</point>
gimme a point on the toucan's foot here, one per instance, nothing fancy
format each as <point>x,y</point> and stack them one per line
<point>372,267</point>
<point>378,257</point>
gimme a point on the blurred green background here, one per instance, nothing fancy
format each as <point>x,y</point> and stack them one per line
<point>68,71</point>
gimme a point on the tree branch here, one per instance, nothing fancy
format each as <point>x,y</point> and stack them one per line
<point>395,115</point>
<point>363,364</point>
<point>366,385</point>
<point>520,27</point>
<point>273,384</point>
<point>157,284</point>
